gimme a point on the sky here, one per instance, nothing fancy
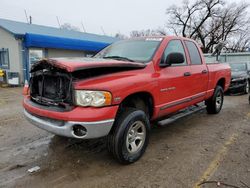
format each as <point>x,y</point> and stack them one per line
<point>97,16</point>
<point>114,16</point>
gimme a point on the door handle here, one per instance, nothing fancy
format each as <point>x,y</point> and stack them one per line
<point>187,74</point>
<point>204,72</point>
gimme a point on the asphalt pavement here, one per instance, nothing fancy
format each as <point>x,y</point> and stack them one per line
<point>200,150</point>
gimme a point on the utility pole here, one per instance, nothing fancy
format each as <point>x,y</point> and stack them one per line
<point>30,20</point>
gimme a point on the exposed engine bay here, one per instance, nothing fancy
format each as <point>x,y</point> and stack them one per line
<point>51,87</point>
<point>51,84</point>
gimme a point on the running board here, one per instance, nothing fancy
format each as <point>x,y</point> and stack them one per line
<point>183,113</point>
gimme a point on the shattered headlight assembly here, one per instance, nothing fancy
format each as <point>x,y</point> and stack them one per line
<point>92,98</point>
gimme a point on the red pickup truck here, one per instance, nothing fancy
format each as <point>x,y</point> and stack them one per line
<point>120,91</point>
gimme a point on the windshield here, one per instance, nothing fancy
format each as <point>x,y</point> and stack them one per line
<point>236,67</point>
<point>141,50</point>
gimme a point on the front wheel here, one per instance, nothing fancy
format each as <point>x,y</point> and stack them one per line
<point>214,104</point>
<point>129,137</point>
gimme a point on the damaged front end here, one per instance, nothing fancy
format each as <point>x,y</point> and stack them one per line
<point>51,86</point>
<point>51,102</point>
<point>51,82</point>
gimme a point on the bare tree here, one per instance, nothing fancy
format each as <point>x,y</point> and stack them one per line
<point>240,42</point>
<point>189,18</point>
<point>68,26</point>
<point>154,32</point>
<point>208,21</point>
<point>120,36</point>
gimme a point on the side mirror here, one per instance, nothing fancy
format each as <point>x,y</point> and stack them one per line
<point>173,58</point>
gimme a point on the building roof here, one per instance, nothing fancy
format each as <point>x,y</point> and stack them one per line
<point>20,28</point>
<point>67,38</point>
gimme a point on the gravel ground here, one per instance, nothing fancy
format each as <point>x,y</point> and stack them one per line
<point>215,148</point>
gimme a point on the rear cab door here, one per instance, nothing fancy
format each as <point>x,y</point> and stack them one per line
<point>199,72</point>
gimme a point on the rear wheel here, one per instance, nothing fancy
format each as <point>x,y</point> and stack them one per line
<point>214,104</point>
<point>129,137</point>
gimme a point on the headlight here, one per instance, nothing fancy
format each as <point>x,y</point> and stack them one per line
<point>92,98</point>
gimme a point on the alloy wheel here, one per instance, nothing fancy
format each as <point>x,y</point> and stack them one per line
<point>136,137</point>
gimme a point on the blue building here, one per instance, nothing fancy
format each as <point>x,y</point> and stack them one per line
<point>22,44</point>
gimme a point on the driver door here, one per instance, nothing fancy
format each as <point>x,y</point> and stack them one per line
<point>174,81</point>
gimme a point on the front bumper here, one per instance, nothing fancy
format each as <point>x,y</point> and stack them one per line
<point>94,129</point>
<point>96,122</point>
<point>79,114</point>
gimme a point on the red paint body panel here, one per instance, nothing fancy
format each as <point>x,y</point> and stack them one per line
<point>77,114</point>
<point>75,64</point>
<point>152,79</point>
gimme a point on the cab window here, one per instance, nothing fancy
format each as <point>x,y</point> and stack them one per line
<point>193,53</point>
<point>174,46</point>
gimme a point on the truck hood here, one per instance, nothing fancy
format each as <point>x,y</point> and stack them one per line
<point>78,64</point>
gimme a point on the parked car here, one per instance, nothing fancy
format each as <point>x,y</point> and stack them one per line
<point>121,90</point>
<point>240,77</point>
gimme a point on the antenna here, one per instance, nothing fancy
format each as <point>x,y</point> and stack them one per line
<point>27,19</point>
<point>58,21</point>
<point>83,27</point>
<point>103,31</point>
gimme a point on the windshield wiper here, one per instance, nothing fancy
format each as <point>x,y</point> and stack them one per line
<point>119,58</point>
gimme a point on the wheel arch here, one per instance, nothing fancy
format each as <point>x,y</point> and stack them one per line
<point>136,100</point>
<point>221,82</point>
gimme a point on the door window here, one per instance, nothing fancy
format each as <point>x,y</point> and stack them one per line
<point>175,46</point>
<point>193,53</point>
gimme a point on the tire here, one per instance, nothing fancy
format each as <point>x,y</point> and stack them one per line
<point>129,136</point>
<point>215,103</point>
<point>246,89</point>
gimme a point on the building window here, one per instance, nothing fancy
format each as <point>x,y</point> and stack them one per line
<point>4,58</point>
<point>35,55</point>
